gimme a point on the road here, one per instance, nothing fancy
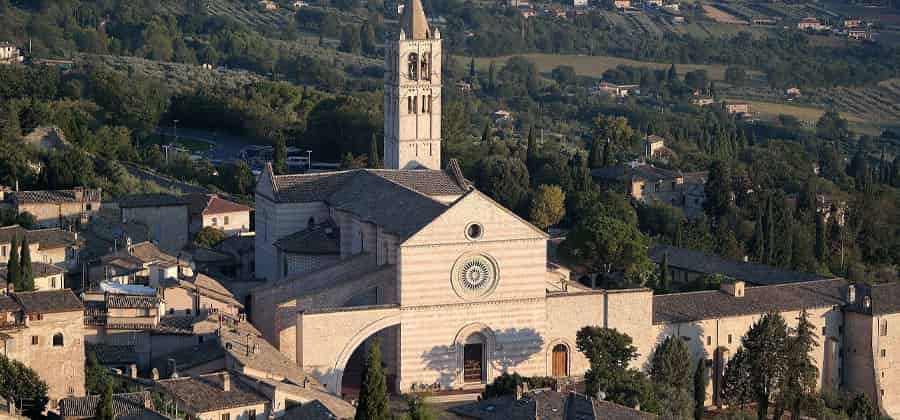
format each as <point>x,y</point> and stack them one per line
<point>225,146</point>
<point>162,180</point>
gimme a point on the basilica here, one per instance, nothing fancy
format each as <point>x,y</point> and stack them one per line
<point>459,289</point>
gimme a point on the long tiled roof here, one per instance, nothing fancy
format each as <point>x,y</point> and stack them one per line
<point>139,254</point>
<point>49,301</point>
<point>45,238</point>
<point>55,196</point>
<point>548,405</point>
<point>131,301</point>
<point>213,204</point>
<point>38,269</point>
<point>108,354</point>
<point>749,272</point>
<point>152,200</point>
<point>623,171</point>
<point>8,304</point>
<point>314,410</point>
<point>131,405</point>
<point>201,394</point>
<point>885,298</point>
<point>694,306</point>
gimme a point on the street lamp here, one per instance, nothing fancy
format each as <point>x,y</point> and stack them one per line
<point>175,130</point>
<point>308,160</point>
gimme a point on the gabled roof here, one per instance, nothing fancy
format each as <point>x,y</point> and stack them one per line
<point>208,204</point>
<point>548,405</point>
<point>320,239</point>
<point>52,238</point>
<point>56,196</point>
<point>885,298</point>
<point>139,254</point>
<point>400,202</point>
<point>131,301</point>
<point>695,306</point>
<point>623,171</point>
<point>49,301</point>
<point>38,269</point>
<point>700,262</point>
<point>204,393</point>
<point>413,21</point>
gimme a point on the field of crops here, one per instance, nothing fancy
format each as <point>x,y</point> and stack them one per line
<point>594,66</point>
<point>876,103</point>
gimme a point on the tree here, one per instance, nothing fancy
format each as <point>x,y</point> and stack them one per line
<point>504,179</point>
<point>547,206</point>
<point>672,74</point>
<point>504,384</point>
<point>736,76</point>
<point>766,345</point>
<point>105,404</point>
<point>801,374</point>
<point>417,409</point>
<point>472,71</point>
<point>209,236</point>
<point>832,127</point>
<point>605,348</point>
<point>671,363</point>
<point>700,380</point>
<point>609,353</point>
<point>243,178</point>
<point>736,385</point>
<point>718,191</point>
<point>374,159</point>
<point>373,402</point>
<point>664,275</point>
<point>367,38</point>
<point>531,156</point>
<point>821,247</point>
<point>861,408</point>
<point>596,159</point>
<point>11,129</point>
<point>27,276</point>
<point>22,385</point>
<point>604,245</point>
<point>486,136</point>
<point>279,156</point>
<point>350,40</point>
<point>14,273</point>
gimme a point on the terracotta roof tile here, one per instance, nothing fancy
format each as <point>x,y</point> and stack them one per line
<point>49,301</point>
<point>201,394</point>
<point>213,204</point>
<point>749,272</point>
<point>151,200</point>
<point>56,196</point>
<point>131,405</point>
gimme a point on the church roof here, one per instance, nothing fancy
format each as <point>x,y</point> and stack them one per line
<point>320,239</point>
<point>399,201</point>
<point>413,21</point>
<point>750,272</point>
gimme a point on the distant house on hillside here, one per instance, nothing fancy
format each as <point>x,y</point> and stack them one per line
<point>811,24</point>
<point>649,184</point>
<point>618,91</point>
<point>9,53</point>
<point>56,208</point>
<point>268,5</point>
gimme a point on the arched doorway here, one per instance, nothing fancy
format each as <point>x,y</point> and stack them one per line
<point>560,361</point>
<point>351,377</point>
<point>474,362</point>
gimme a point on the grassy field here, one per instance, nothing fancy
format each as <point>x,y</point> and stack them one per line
<point>809,114</point>
<point>594,66</point>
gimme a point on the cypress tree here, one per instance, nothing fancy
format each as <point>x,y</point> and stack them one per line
<point>486,133</point>
<point>373,402</point>
<point>472,72</point>
<point>491,77</point>
<point>13,273</point>
<point>699,389</point>
<point>25,267</point>
<point>664,274</point>
<point>374,159</point>
<point>531,158</point>
<point>801,374</point>
<point>597,153</point>
<point>104,409</point>
<point>821,240</point>
<point>279,156</point>
<point>606,157</point>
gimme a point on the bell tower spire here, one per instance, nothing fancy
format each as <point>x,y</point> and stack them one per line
<point>412,93</point>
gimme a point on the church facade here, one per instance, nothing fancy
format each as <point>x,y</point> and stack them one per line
<point>458,288</point>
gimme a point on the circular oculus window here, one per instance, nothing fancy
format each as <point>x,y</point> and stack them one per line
<point>474,231</point>
<point>474,276</point>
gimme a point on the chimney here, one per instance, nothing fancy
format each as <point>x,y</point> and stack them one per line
<point>851,294</point>
<point>226,382</point>
<point>132,371</point>
<point>155,374</point>
<point>867,302</point>
<point>519,392</point>
<point>79,193</point>
<point>734,288</point>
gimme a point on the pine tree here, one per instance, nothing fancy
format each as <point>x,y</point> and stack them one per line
<point>821,239</point>
<point>472,72</point>
<point>699,389</point>
<point>27,279</point>
<point>607,159</point>
<point>104,409</point>
<point>671,364</point>
<point>14,275</point>
<point>373,402</point>
<point>486,133</point>
<point>672,74</point>
<point>279,156</point>
<point>374,159</point>
<point>664,274</point>
<point>801,374</point>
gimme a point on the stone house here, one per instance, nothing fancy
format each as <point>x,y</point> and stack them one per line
<point>130,265</point>
<point>713,322</point>
<point>811,24</point>
<point>9,53</point>
<point>133,405</point>
<point>648,184</point>
<point>547,404</point>
<point>57,208</point>
<point>654,146</point>
<point>46,276</point>
<point>210,210</point>
<point>50,246</point>
<point>166,217</point>
<point>45,331</point>
<point>871,356</point>
<point>184,292</point>
<point>241,250</point>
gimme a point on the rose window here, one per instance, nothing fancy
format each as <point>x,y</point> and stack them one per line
<point>474,276</point>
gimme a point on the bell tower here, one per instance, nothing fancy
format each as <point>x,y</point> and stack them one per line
<point>412,93</point>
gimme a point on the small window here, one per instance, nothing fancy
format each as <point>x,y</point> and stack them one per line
<point>35,340</point>
<point>226,416</point>
<point>883,353</point>
<point>251,414</point>
<point>709,340</point>
<point>729,338</point>
<point>409,105</point>
<point>171,311</point>
<point>53,282</point>
<point>57,340</point>
<point>226,220</point>
<point>424,104</point>
<point>823,331</point>
<point>3,251</point>
<point>882,330</point>
<point>214,221</point>
<point>88,207</point>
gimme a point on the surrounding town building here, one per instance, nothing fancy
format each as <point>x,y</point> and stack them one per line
<point>649,184</point>
<point>50,246</point>
<point>9,53</point>
<point>614,90</point>
<point>134,405</point>
<point>547,405</point>
<point>45,331</point>
<point>166,217</point>
<point>654,147</point>
<point>216,396</point>
<point>130,265</point>
<point>46,276</point>
<point>56,208</point>
<point>812,24</point>
<point>210,210</point>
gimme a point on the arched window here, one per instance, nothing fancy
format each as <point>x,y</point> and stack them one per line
<point>426,66</point>
<point>409,105</point>
<point>413,67</point>
<point>57,340</point>
<point>311,222</point>
<point>424,104</point>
